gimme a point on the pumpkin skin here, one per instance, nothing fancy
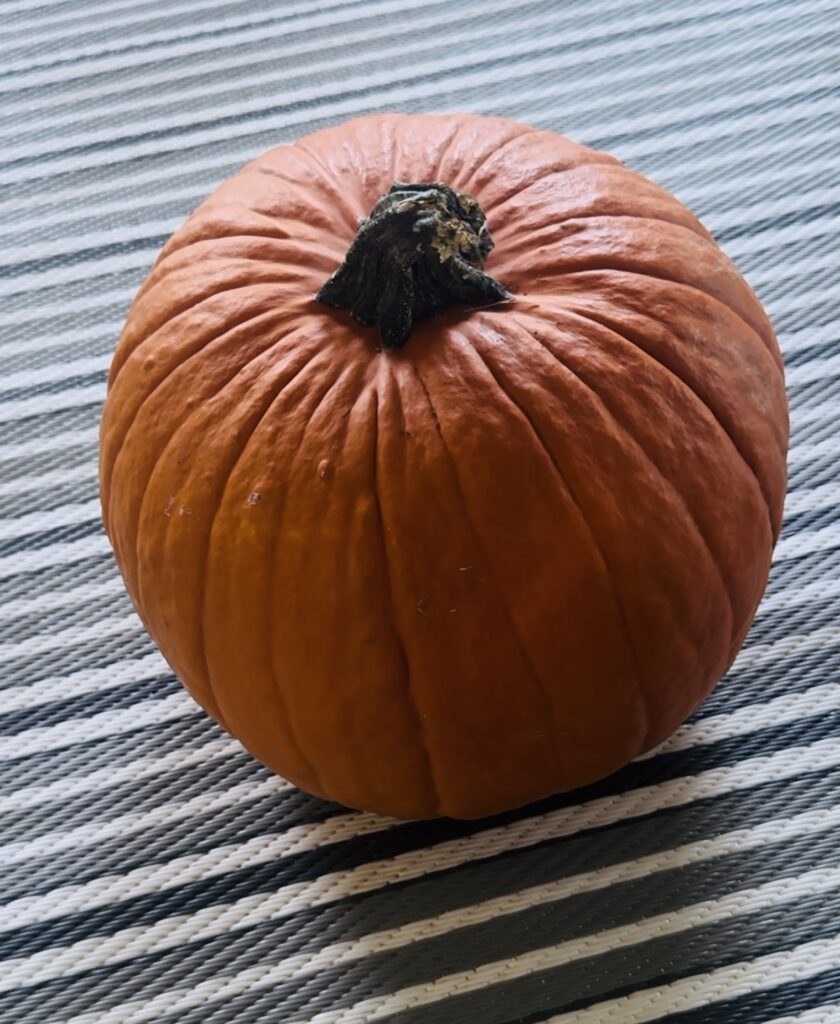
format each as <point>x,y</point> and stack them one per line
<point>493,565</point>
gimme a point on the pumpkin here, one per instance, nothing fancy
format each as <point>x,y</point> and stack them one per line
<point>443,458</point>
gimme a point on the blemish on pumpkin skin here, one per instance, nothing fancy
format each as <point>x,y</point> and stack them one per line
<point>420,608</point>
<point>325,469</point>
<point>254,497</point>
<point>167,509</point>
<point>185,510</point>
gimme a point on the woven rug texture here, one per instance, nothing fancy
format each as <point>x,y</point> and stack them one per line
<point>150,869</point>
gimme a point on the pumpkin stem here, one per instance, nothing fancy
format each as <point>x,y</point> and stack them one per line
<point>421,247</point>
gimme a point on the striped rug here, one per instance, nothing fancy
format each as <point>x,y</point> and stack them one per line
<point>151,871</point>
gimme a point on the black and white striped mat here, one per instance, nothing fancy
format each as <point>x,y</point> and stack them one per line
<point>150,871</point>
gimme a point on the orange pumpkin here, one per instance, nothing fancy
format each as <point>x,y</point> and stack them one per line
<point>489,551</point>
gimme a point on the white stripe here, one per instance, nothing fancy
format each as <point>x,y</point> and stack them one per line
<point>829,1014</point>
<point>94,16</point>
<point>786,648</point>
<point>807,543</point>
<point>544,26</point>
<point>170,74</point>
<point>138,821</point>
<point>39,405</point>
<point>290,899</point>
<point>796,341</point>
<point>104,334</point>
<point>790,707</point>
<point>40,445</point>
<point>52,277</point>
<point>107,723</point>
<point>51,478</point>
<point>36,522</point>
<point>673,118</point>
<point>105,778</point>
<point>765,209</point>
<point>155,878</point>
<point>77,597</point>
<point>822,590</point>
<point>53,555</point>
<point>61,639</point>
<point>238,31</point>
<point>84,304</point>
<point>688,137</point>
<point>163,45</point>
<point>80,240</point>
<point>699,915</point>
<point>738,249</point>
<point>809,499</point>
<point>77,684</point>
<point>764,972</point>
<point>807,450</point>
<point>56,372</point>
<point>814,369</point>
<point>763,169</point>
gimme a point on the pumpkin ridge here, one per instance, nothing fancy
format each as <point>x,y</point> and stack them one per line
<point>553,169</point>
<point>655,191</point>
<point>699,399</point>
<point>495,153</point>
<point>765,343</point>
<point>185,423</point>
<point>108,473</point>
<point>327,176</point>
<point>207,214</point>
<point>634,441</point>
<point>446,145</point>
<point>312,248</point>
<point>272,172</point>
<point>539,686</point>
<point>588,217</point>
<point>222,490</point>
<point>121,356</point>
<point>631,644</point>
<point>326,180</point>
<point>346,370</point>
<point>144,497</point>
<point>676,286</point>
<point>410,697</point>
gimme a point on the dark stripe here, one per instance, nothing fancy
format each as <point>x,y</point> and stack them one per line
<point>95,653</point>
<point>51,387</point>
<point>808,215</point>
<point>551,860</point>
<point>774,1001</point>
<point>77,256</point>
<point>805,354</point>
<point>189,835</point>
<point>192,896</point>
<point>44,538</point>
<point>86,705</point>
<point>370,91</point>
<point>53,579</point>
<point>813,519</point>
<point>50,766</point>
<point>189,37</point>
<point>655,962</point>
